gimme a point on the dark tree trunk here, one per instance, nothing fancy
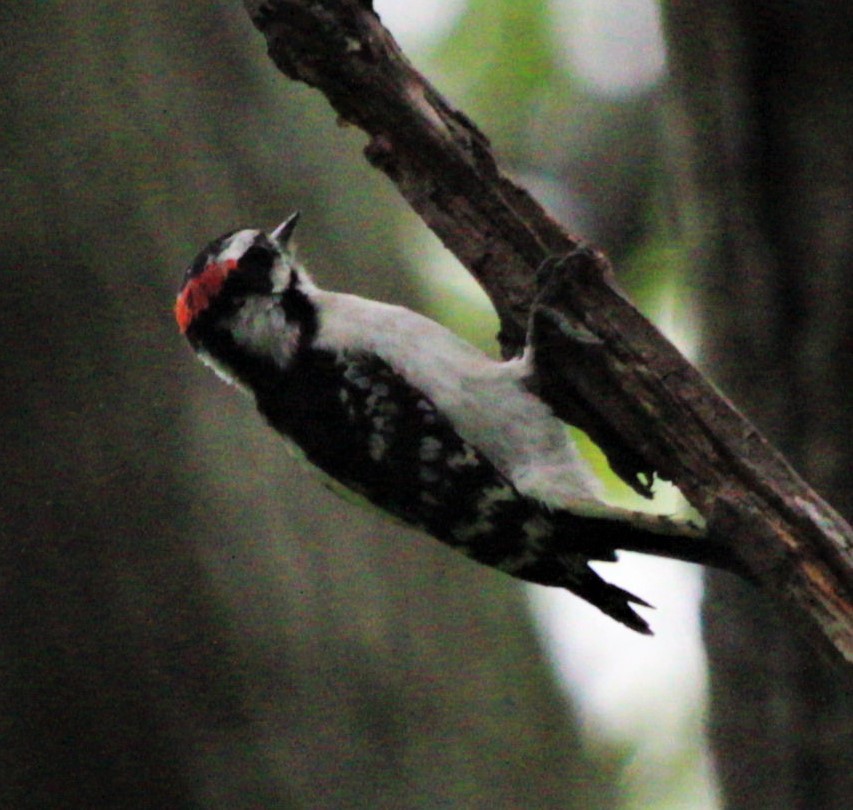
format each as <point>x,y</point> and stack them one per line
<point>765,100</point>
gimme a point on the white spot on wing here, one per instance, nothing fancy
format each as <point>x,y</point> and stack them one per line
<point>483,512</point>
<point>467,458</point>
<point>492,496</point>
<point>430,449</point>
<point>470,531</point>
<point>518,562</point>
<point>376,446</point>
<point>536,529</point>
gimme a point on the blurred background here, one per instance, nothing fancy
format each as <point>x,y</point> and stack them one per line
<point>189,620</point>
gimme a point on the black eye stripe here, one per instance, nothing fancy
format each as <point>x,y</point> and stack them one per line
<point>257,258</point>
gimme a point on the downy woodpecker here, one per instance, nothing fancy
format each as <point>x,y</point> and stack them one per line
<point>403,412</point>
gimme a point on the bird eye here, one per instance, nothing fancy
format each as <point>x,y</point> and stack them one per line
<point>256,259</point>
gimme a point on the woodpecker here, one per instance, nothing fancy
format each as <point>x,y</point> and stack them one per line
<point>417,421</point>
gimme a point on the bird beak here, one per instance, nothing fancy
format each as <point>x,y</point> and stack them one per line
<point>284,232</point>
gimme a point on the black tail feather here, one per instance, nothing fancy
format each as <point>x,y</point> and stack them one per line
<point>600,537</point>
<point>609,599</point>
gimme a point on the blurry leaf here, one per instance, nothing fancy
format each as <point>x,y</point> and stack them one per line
<point>500,59</point>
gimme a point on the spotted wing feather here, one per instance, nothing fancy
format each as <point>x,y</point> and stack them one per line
<point>409,460</point>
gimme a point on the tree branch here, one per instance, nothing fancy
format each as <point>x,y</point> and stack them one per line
<point>628,387</point>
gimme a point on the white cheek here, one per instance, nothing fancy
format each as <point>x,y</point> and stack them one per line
<point>261,328</point>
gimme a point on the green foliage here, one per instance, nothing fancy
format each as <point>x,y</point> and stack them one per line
<point>500,60</point>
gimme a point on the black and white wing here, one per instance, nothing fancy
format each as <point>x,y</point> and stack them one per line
<point>404,455</point>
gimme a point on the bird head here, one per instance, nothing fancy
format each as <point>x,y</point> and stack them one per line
<point>236,266</point>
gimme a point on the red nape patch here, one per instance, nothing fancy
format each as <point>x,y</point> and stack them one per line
<point>200,291</point>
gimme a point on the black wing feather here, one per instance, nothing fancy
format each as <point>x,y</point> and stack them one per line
<point>403,455</point>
